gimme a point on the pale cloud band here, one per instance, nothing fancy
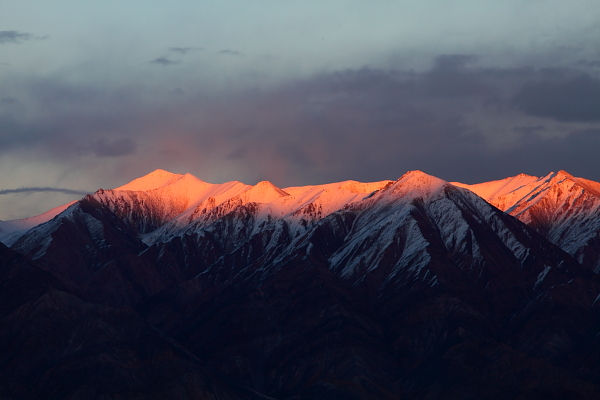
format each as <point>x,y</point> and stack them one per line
<point>17,37</point>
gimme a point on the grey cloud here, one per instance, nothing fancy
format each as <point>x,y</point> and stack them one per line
<point>531,153</point>
<point>454,61</point>
<point>588,63</point>
<point>114,148</point>
<point>56,93</point>
<point>570,99</point>
<point>450,77</point>
<point>14,37</point>
<point>372,124</point>
<point>17,37</point>
<point>529,129</point>
<point>184,50</point>
<point>164,61</point>
<point>8,101</point>
<point>230,52</point>
<point>41,190</point>
<point>180,50</point>
<point>66,117</point>
<point>538,155</point>
<point>364,124</point>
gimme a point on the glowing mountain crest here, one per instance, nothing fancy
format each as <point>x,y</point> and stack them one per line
<point>564,208</point>
<point>154,180</point>
<point>416,184</point>
<point>161,205</point>
<point>263,192</point>
<point>493,189</point>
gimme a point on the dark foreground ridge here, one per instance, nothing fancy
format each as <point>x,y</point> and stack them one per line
<point>418,289</point>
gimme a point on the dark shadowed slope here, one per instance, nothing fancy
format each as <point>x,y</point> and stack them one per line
<point>57,346</point>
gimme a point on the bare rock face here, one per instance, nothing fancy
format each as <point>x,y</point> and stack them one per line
<point>411,289</point>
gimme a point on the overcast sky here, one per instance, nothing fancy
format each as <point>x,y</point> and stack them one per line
<point>94,94</point>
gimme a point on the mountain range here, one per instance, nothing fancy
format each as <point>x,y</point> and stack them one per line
<point>172,287</point>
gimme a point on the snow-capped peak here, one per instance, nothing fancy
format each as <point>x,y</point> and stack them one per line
<point>154,180</point>
<point>415,184</point>
<point>263,192</point>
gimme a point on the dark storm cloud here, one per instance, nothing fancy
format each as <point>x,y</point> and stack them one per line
<point>364,124</point>
<point>42,189</point>
<point>114,148</point>
<point>164,61</point>
<point>184,50</point>
<point>14,37</point>
<point>537,155</point>
<point>372,124</point>
<point>64,120</point>
<point>230,52</point>
<point>564,99</point>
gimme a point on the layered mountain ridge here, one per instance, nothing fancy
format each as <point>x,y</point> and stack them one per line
<point>162,205</point>
<point>565,209</point>
<point>409,289</point>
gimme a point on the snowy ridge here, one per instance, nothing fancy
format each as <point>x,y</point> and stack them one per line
<point>564,208</point>
<point>39,237</point>
<point>11,231</point>
<point>397,226</point>
<point>391,216</point>
<point>491,190</point>
<point>298,206</point>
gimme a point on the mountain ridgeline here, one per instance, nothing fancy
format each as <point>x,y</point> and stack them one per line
<point>172,287</point>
